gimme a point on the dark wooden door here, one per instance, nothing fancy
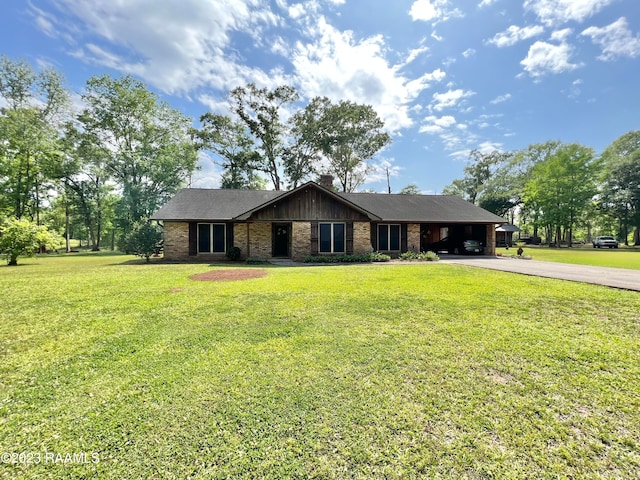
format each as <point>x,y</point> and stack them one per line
<point>280,235</point>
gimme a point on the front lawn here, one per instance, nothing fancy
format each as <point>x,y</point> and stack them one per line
<point>619,258</point>
<point>358,371</point>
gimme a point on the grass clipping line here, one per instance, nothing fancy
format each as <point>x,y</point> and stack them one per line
<point>229,275</point>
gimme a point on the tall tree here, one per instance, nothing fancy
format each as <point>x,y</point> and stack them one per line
<point>620,196</point>
<point>232,149</point>
<point>149,147</point>
<point>411,189</point>
<point>561,187</point>
<point>477,175</point>
<point>302,156</point>
<point>350,135</point>
<point>86,181</point>
<point>260,110</point>
<point>29,149</point>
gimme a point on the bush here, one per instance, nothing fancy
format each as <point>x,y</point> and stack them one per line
<point>233,254</point>
<point>144,240</point>
<point>379,257</point>
<point>343,258</point>
<point>256,261</point>
<point>23,238</point>
<point>421,257</point>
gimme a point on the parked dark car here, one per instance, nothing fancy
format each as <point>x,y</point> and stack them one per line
<point>458,247</point>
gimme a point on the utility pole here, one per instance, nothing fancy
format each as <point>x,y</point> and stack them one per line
<point>388,184</point>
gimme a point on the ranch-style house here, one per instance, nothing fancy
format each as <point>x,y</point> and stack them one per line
<point>313,219</point>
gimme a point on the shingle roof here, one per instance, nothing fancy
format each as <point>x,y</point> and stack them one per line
<point>194,204</point>
<point>209,204</point>
<point>422,208</point>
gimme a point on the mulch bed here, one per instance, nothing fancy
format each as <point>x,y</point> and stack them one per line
<point>229,275</point>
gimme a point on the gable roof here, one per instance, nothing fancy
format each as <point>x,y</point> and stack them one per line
<point>195,204</point>
<point>345,201</point>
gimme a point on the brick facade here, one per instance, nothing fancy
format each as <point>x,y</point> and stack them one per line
<point>490,244</point>
<point>361,237</point>
<point>413,237</point>
<point>240,239</point>
<point>176,240</point>
<point>260,240</point>
<point>300,240</point>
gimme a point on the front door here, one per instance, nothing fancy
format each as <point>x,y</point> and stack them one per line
<point>280,235</point>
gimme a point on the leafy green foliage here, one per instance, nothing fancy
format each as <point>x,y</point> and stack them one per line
<point>420,256</point>
<point>233,149</point>
<point>344,258</point>
<point>30,152</point>
<point>23,238</point>
<point>411,189</point>
<point>350,135</point>
<point>233,253</point>
<point>144,240</point>
<point>620,193</point>
<point>259,109</point>
<point>358,371</point>
<point>147,144</point>
<point>560,187</point>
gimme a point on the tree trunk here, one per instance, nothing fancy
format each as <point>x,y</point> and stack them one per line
<point>13,260</point>
<point>636,236</point>
<point>67,233</point>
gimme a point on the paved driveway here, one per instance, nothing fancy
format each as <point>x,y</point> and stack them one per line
<point>610,277</point>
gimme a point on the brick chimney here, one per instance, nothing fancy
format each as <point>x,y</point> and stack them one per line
<point>326,181</point>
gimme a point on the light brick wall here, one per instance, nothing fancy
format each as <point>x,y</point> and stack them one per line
<point>176,240</point>
<point>260,240</point>
<point>300,240</point>
<point>240,239</point>
<point>490,244</point>
<point>413,237</point>
<point>361,237</point>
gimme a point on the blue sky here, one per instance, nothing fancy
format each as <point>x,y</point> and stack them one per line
<point>446,76</point>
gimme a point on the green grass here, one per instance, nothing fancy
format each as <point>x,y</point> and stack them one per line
<point>586,255</point>
<point>359,371</point>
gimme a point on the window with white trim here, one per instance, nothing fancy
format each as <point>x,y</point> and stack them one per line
<point>388,237</point>
<point>331,237</point>
<point>212,238</point>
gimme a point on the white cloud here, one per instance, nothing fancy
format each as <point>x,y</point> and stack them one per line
<point>336,65</point>
<point>561,35</point>
<point>469,52</point>
<point>557,12</point>
<point>415,53</point>
<point>515,34</point>
<point>449,99</point>
<point>432,11</point>
<point>424,10</point>
<point>486,3</point>
<point>546,58</point>
<point>501,99</point>
<point>616,40</point>
<point>435,125</point>
<point>489,147</point>
<point>179,47</point>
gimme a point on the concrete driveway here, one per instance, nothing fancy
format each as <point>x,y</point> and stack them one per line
<point>610,277</point>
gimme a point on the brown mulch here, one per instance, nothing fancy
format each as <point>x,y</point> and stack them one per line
<point>229,275</point>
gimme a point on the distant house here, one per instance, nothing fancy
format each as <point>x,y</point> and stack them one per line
<point>314,220</point>
<point>504,235</point>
